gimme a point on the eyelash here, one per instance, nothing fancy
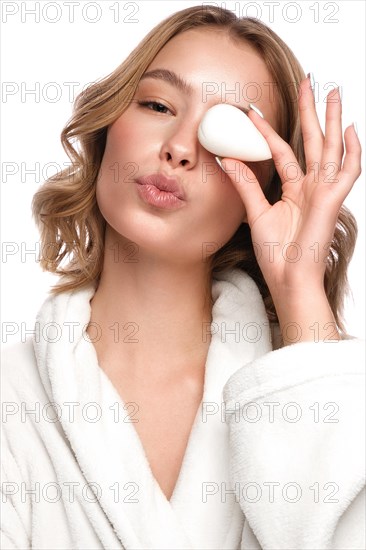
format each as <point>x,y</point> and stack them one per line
<point>146,103</point>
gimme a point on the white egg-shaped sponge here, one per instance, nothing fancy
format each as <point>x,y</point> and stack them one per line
<point>226,131</point>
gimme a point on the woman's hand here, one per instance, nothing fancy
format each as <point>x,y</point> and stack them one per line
<point>292,237</point>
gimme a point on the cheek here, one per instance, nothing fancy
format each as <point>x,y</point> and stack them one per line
<point>119,161</point>
<point>231,215</point>
<point>224,210</point>
<point>112,182</point>
<point>227,197</point>
<point>121,138</point>
<point>263,171</point>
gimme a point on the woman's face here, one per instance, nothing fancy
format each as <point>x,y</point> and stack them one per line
<point>150,139</point>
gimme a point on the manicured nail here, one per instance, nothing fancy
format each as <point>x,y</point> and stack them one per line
<point>339,90</point>
<point>312,81</point>
<point>256,110</point>
<point>355,127</point>
<point>218,160</point>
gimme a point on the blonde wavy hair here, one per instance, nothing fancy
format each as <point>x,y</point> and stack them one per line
<point>71,225</point>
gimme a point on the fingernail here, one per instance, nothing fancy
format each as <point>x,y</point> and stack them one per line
<point>340,91</point>
<point>312,80</point>
<point>218,160</point>
<point>256,110</point>
<point>355,127</point>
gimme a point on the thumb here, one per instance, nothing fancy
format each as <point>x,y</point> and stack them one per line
<point>248,187</point>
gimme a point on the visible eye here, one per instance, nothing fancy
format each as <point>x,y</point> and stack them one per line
<point>153,104</point>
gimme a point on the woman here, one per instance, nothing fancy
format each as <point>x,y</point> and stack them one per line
<point>190,373</point>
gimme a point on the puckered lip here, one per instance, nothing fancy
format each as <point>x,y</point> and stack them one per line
<point>163,183</point>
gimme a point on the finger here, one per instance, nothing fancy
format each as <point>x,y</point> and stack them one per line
<point>248,188</point>
<point>283,156</point>
<point>333,143</point>
<point>352,162</point>
<point>312,133</point>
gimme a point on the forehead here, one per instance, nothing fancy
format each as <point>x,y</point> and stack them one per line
<point>211,64</point>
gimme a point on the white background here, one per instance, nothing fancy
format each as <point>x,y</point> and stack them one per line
<point>327,38</point>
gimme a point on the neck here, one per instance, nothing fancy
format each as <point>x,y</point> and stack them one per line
<point>151,313</point>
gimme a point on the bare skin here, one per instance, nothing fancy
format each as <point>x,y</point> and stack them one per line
<point>166,292</point>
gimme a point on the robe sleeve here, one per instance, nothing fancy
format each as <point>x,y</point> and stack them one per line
<point>296,418</point>
<point>13,516</point>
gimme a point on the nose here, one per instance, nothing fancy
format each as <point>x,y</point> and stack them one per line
<point>180,145</point>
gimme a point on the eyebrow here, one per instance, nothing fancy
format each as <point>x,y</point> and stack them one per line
<point>178,82</point>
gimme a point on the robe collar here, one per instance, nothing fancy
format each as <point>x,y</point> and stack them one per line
<point>108,448</point>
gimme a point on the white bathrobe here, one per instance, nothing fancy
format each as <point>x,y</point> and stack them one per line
<point>275,458</point>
